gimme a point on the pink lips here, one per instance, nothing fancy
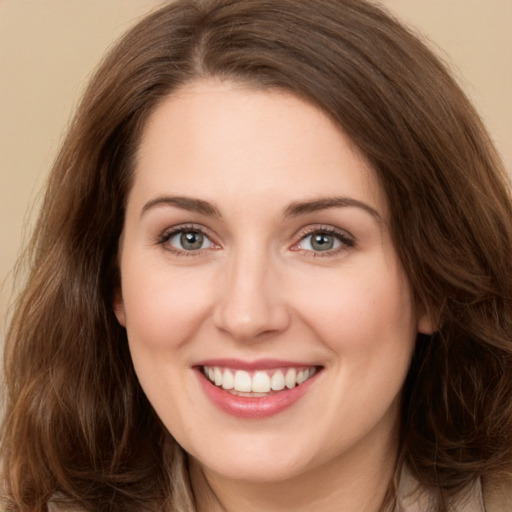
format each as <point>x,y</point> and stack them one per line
<point>252,407</point>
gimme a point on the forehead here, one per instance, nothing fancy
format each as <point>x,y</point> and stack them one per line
<point>212,134</point>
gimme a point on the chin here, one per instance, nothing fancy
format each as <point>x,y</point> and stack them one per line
<point>258,462</point>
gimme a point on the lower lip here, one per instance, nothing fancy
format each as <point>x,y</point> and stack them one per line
<point>253,407</point>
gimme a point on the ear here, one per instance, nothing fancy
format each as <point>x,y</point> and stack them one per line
<point>425,325</point>
<point>119,307</point>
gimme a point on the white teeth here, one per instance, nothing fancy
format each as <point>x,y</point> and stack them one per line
<point>277,381</point>
<point>260,381</point>
<point>291,378</point>
<point>243,381</point>
<point>228,381</point>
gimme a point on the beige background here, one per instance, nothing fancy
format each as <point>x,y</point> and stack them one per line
<point>48,49</point>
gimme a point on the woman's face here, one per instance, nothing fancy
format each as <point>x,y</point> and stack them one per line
<point>269,320</point>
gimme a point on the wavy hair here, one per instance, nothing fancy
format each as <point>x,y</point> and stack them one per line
<point>77,425</point>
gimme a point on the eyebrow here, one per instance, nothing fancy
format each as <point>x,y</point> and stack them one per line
<point>298,208</point>
<point>294,209</point>
<point>185,203</point>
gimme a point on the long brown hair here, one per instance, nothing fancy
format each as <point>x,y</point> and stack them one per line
<point>77,424</point>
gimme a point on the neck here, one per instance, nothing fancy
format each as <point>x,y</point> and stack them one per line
<point>354,482</point>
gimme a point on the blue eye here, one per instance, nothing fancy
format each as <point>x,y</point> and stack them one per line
<point>320,242</point>
<point>324,241</point>
<point>188,240</point>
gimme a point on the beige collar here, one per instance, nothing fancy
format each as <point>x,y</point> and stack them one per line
<point>498,493</point>
<point>412,497</point>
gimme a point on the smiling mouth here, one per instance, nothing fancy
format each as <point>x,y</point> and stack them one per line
<point>259,383</point>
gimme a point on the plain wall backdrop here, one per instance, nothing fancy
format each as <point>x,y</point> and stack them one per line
<point>49,48</point>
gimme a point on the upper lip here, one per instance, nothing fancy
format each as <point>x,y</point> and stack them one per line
<point>258,364</point>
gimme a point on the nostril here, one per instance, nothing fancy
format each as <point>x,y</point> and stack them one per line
<point>247,323</point>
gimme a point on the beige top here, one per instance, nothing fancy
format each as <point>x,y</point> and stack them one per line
<point>489,497</point>
<point>413,498</point>
<point>486,496</point>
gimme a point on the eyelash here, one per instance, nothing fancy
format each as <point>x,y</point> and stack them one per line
<point>168,235</point>
<point>346,240</point>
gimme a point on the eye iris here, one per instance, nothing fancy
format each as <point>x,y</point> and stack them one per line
<point>322,242</point>
<point>191,240</point>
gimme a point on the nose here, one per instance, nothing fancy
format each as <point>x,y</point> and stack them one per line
<point>250,301</point>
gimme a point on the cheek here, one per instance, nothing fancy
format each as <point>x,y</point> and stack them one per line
<point>163,307</point>
<point>360,310</point>
<point>366,319</point>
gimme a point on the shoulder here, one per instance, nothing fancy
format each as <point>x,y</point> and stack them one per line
<point>497,493</point>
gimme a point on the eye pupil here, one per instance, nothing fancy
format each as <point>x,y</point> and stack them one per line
<point>322,242</point>
<point>191,240</point>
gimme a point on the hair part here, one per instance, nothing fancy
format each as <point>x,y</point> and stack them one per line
<point>78,425</point>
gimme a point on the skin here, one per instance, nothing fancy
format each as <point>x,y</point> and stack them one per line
<point>258,289</point>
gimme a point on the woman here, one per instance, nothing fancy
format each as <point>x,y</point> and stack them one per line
<point>272,270</point>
